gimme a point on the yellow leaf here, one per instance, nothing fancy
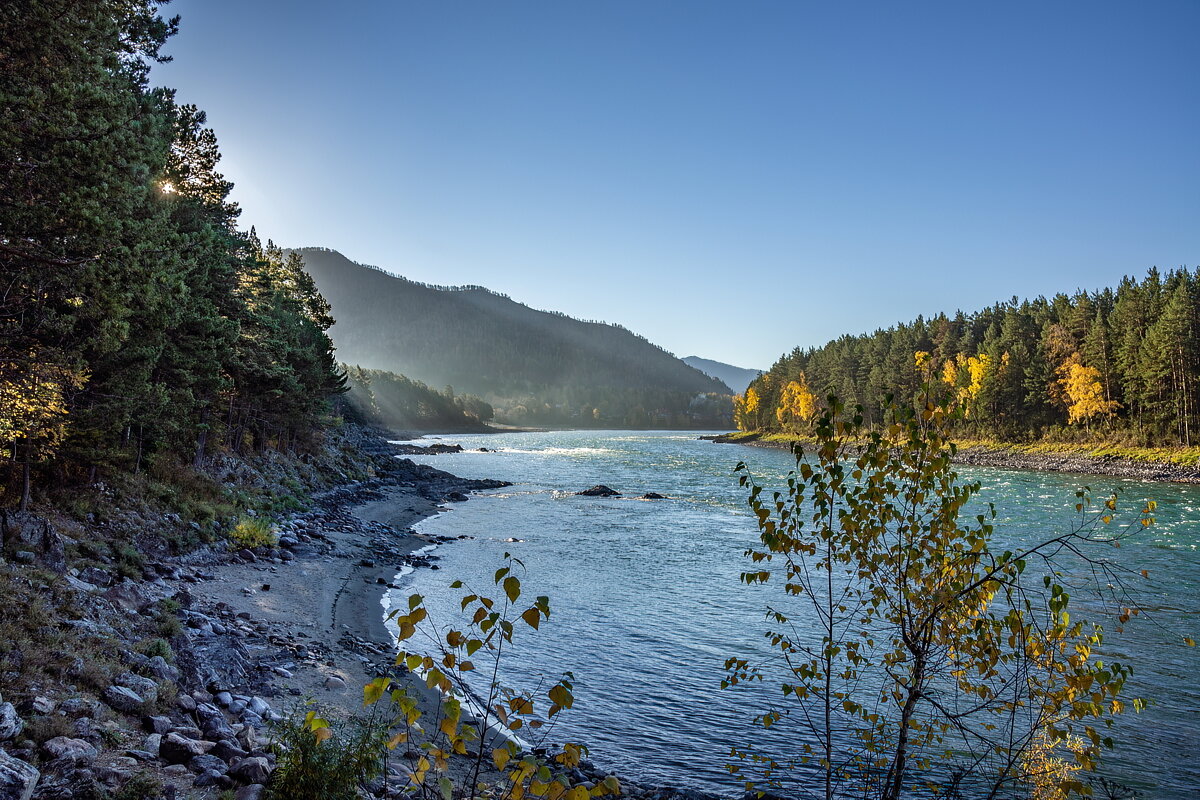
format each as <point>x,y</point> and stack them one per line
<point>500,757</point>
<point>374,690</point>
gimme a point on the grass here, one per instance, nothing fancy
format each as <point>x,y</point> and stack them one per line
<point>1178,456</point>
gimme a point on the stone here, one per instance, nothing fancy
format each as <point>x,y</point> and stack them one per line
<point>145,688</point>
<point>255,791</point>
<point>128,597</point>
<point>152,744</point>
<point>123,699</point>
<point>208,762</point>
<point>11,724</point>
<point>176,749</point>
<point>63,747</point>
<point>157,724</point>
<point>38,705</point>
<point>653,496</point>
<point>335,682</point>
<point>96,577</point>
<point>210,777</point>
<point>228,751</point>
<point>599,490</point>
<point>253,769</point>
<point>160,669</point>
<point>17,778</point>
<point>260,706</point>
<point>186,702</point>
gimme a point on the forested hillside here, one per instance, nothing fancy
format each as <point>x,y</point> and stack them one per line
<point>138,325</point>
<point>393,401</point>
<point>1119,364</point>
<point>535,367</point>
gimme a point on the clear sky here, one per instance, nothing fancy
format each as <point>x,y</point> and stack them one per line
<point>730,179</point>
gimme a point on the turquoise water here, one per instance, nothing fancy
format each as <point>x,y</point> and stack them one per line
<point>647,604</point>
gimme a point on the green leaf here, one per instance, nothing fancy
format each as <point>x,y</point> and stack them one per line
<point>512,588</point>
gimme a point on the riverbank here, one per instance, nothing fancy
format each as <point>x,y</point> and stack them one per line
<point>1175,465</point>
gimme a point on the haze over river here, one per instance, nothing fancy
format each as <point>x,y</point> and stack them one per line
<point>647,605</point>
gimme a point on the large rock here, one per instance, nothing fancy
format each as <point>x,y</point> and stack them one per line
<point>255,791</point>
<point>10,723</point>
<point>17,778</point>
<point>123,699</point>
<point>599,490</point>
<point>67,749</point>
<point>255,769</point>
<point>176,749</point>
<point>145,688</point>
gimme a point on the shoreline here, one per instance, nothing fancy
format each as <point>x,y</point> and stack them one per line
<point>1014,457</point>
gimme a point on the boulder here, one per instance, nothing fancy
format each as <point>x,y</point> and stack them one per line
<point>10,723</point>
<point>207,762</point>
<point>123,699</point>
<point>145,688</point>
<point>65,748</point>
<point>255,791</point>
<point>176,749</point>
<point>253,769</point>
<point>599,490</point>
<point>17,778</point>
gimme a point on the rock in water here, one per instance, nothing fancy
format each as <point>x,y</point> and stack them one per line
<point>653,496</point>
<point>599,490</point>
<point>17,779</point>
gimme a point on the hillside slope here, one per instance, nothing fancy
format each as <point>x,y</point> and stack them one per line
<point>736,378</point>
<point>540,366</point>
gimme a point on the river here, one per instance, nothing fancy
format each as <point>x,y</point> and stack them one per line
<point>647,605</point>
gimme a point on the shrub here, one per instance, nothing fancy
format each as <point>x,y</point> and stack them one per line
<point>320,760</point>
<point>156,647</point>
<point>142,786</point>
<point>251,532</point>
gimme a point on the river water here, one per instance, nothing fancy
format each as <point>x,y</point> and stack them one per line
<point>647,605</point>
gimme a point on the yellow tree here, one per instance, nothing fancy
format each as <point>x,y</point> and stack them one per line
<point>745,410</point>
<point>797,404</point>
<point>1084,393</point>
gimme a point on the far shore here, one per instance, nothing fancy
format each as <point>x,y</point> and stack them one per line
<point>1136,464</point>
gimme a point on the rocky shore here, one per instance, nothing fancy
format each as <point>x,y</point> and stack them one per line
<point>246,636</point>
<point>177,673</point>
<point>1039,461</point>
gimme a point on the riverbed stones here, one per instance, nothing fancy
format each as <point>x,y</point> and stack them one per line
<point>18,779</point>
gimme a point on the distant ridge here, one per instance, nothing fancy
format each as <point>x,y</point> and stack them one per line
<point>534,366</point>
<point>736,378</point>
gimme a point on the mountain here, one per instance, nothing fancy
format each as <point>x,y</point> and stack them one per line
<point>533,366</point>
<point>736,378</point>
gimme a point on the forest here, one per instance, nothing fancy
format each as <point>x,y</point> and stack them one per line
<point>393,401</point>
<point>1116,365</point>
<point>138,324</point>
<point>534,367</point>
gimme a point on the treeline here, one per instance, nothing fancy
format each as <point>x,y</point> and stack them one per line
<point>534,367</point>
<point>394,401</point>
<point>605,407</point>
<point>136,321</point>
<point>1119,364</point>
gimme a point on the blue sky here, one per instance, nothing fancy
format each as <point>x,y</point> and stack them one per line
<point>730,180</point>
